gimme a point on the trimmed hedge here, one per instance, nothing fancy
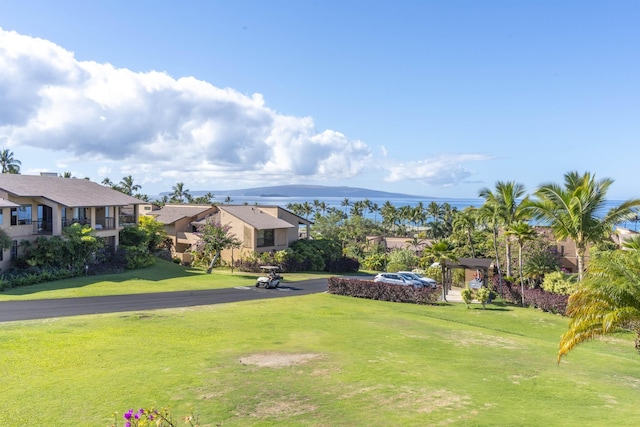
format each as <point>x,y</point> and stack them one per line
<point>382,291</point>
<point>534,297</point>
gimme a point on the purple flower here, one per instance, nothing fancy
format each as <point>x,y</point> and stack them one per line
<point>128,414</point>
<point>127,424</point>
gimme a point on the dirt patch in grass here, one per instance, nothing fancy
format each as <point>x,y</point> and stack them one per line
<point>278,360</point>
<point>468,339</point>
<point>282,409</point>
<point>419,400</point>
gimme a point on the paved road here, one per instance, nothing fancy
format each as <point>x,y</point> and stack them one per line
<point>42,309</point>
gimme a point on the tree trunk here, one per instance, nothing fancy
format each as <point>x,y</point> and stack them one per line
<point>508,257</point>
<point>213,262</point>
<point>444,283</point>
<point>520,268</point>
<point>580,255</point>
<point>495,247</point>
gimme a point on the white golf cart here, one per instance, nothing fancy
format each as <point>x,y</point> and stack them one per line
<point>272,279</point>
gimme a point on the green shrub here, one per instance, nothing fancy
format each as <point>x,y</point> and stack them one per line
<point>483,295</point>
<point>138,257</point>
<point>402,259</point>
<point>560,283</point>
<point>375,262</point>
<point>467,295</point>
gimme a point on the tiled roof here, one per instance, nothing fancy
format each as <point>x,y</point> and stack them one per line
<point>255,217</point>
<point>4,203</point>
<point>169,214</point>
<point>69,192</point>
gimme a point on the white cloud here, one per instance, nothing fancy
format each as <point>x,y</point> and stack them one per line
<point>445,170</point>
<point>117,122</point>
<point>164,126</point>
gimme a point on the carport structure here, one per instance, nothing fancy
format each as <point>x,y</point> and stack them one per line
<point>478,264</point>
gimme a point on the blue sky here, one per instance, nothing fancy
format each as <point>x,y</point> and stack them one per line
<point>432,98</point>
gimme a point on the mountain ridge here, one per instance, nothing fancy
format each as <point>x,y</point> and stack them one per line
<point>294,190</point>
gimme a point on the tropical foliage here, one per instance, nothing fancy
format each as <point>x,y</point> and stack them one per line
<point>8,163</point>
<point>607,300</point>
<point>213,239</point>
<point>574,210</point>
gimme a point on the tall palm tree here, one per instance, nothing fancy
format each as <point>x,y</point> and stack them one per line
<point>389,214</point>
<point>8,163</point>
<point>508,207</point>
<point>345,203</point>
<point>607,300</point>
<point>441,251</point>
<point>465,221</point>
<point>489,214</point>
<point>357,208</point>
<point>573,211</point>
<point>307,209</point>
<point>109,183</point>
<point>228,200</point>
<point>127,186</point>
<point>523,232</point>
<point>180,193</point>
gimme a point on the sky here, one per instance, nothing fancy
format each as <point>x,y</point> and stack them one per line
<point>429,98</point>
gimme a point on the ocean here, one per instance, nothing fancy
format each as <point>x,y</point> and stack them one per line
<point>336,202</point>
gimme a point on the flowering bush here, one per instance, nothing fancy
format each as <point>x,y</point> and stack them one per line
<point>152,417</point>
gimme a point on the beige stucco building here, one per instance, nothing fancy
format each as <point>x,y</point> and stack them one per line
<point>33,206</point>
<point>258,228</point>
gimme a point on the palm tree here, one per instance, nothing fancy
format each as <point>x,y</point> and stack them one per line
<point>180,193</point>
<point>357,208</point>
<point>573,211</point>
<point>345,203</point>
<point>523,232</point>
<point>441,251</point>
<point>227,200</point>
<point>109,183</point>
<point>632,243</point>
<point>127,186</point>
<point>307,209</point>
<point>465,221</point>
<point>8,163</point>
<point>389,214</point>
<point>489,215</point>
<point>415,242</point>
<point>508,208</point>
<point>67,175</point>
<point>607,300</point>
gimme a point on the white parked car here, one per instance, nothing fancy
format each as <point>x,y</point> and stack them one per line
<point>397,279</point>
<point>415,276</point>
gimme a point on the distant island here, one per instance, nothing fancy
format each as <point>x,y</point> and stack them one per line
<point>311,191</point>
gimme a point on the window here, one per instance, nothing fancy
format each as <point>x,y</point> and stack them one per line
<point>21,215</point>
<point>1,218</point>
<point>266,238</point>
<point>14,249</point>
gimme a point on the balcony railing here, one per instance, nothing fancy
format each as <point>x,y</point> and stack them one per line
<point>105,224</point>
<point>69,222</point>
<point>43,227</point>
<point>127,220</point>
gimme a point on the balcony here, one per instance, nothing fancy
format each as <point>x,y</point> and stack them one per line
<point>43,227</point>
<point>105,224</point>
<point>70,222</point>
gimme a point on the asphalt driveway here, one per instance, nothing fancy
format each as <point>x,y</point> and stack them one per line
<point>42,309</point>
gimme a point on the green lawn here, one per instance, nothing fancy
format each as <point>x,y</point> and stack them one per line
<point>316,360</point>
<point>163,276</point>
